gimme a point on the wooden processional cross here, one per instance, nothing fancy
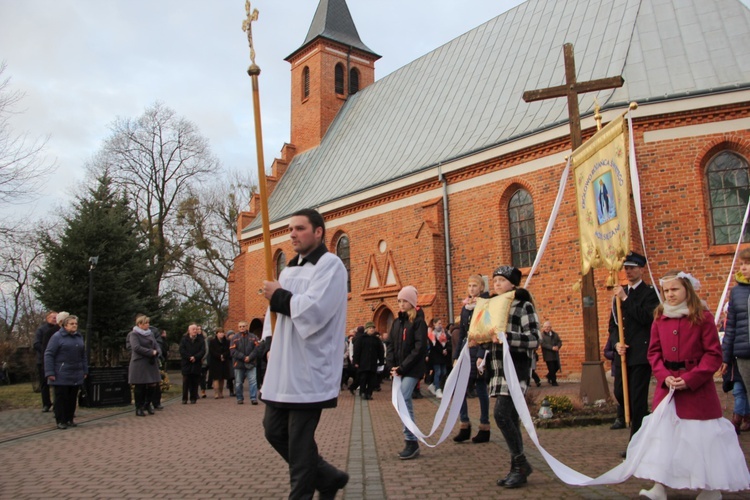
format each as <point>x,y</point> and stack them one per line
<point>593,389</point>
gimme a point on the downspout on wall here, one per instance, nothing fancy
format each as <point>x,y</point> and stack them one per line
<point>446,229</point>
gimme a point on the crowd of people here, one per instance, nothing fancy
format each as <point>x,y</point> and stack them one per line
<point>676,342</point>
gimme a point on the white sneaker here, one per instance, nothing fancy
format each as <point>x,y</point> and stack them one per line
<point>709,495</point>
<point>431,388</point>
<point>439,394</point>
<point>656,493</point>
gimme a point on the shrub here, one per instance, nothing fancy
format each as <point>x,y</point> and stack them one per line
<point>560,404</point>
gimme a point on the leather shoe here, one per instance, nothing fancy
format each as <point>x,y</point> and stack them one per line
<point>160,407</point>
<point>46,409</point>
<point>62,425</point>
<point>253,401</point>
<point>71,424</point>
<point>618,424</point>
<point>339,483</point>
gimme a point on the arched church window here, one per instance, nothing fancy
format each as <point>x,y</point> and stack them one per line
<point>342,250</point>
<point>353,81</point>
<point>280,263</point>
<point>305,83</point>
<point>522,231</point>
<point>339,76</point>
<point>728,190</point>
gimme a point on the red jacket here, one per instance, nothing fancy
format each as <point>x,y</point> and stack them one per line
<point>678,340</point>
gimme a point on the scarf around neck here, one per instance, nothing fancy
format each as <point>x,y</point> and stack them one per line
<point>141,331</point>
<point>678,311</point>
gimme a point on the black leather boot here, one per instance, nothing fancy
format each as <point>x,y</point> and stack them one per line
<point>483,436</point>
<point>410,451</point>
<point>464,433</point>
<point>503,480</point>
<point>520,470</point>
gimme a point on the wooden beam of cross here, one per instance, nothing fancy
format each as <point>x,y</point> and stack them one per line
<point>571,89</point>
<point>593,382</point>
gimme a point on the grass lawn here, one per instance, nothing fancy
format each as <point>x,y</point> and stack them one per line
<point>19,396</point>
<point>22,395</point>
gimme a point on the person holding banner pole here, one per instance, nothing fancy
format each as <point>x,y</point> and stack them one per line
<point>522,330</point>
<point>637,302</point>
<point>406,355</point>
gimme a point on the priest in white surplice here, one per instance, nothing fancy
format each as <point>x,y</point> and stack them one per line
<point>306,357</point>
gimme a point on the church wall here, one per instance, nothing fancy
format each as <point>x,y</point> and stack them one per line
<point>675,214</point>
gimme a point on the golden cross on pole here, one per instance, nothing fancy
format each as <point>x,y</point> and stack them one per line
<point>247,27</point>
<point>254,71</point>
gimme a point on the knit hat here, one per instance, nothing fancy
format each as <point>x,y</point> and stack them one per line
<point>510,273</point>
<point>477,278</point>
<point>409,294</point>
<point>369,324</point>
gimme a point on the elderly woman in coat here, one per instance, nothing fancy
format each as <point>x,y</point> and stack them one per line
<point>65,367</point>
<point>143,372</point>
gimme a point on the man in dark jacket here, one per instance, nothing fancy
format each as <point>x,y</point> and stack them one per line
<point>243,353</point>
<point>192,350</point>
<point>368,354</point>
<point>41,338</point>
<point>638,303</point>
<point>551,345</point>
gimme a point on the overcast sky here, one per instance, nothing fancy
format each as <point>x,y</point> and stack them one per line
<point>82,63</point>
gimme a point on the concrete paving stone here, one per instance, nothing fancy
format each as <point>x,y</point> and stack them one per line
<point>188,441</point>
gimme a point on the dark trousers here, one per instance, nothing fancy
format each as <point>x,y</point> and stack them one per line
<point>292,435</point>
<point>205,376</point>
<point>639,376</point>
<point>65,402</point>
<point>552,368</point>
<point>367,381</point>
<point>156,395</point>
<point>190,386</point>
<point>142,393</point>
<point>44,386</point>
<point>506,418</point>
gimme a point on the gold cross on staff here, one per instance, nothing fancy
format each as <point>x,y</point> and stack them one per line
<point>247,27</point>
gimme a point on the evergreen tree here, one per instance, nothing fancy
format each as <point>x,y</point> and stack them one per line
<point>103,225</point>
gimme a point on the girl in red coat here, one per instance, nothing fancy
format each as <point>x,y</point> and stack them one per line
<point>694,448</point>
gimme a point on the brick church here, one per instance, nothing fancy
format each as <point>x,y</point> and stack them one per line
<point>440,169</point>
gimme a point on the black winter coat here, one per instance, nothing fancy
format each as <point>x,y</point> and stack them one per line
<point>368,353</point>
<point>637,316</point>
<point>219,360</point>
<point>736,342</point>
<point>408,347</point>
<point>195,348</point>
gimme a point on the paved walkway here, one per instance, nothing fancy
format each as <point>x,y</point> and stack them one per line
<point>216,449</point>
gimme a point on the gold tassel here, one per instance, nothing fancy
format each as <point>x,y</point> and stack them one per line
<point>577,285</point>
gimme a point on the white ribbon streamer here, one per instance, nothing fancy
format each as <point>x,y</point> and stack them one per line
<point>455,389</point>
<point>635,188</point>
<point>551,222</point>
<point>453,396</point>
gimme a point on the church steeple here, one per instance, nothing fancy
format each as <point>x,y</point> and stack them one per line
<point>331,64</point>
<point>334,21</point>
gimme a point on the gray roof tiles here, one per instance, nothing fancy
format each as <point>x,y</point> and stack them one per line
<point>465,96</point>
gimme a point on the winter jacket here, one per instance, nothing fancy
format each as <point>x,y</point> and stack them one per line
<point>550,340</point>
<point>65,359</point>
<point>736,342</point>
<point>244,346</point>
<point>195,348</point>
<point>41,339</point>
<point>408,345</point>
<point>440,354</point>
<point>368,353</point>
<point>677,340</point>
<point>218,367</point>
<point>522,331</point>
<point>144,368</point>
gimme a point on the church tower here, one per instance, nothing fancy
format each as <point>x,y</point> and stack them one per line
<point>331,65</point>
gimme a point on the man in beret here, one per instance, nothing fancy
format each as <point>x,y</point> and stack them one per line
<point>638,303</point>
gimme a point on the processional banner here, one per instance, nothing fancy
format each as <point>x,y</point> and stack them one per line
<point>600,170</point>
